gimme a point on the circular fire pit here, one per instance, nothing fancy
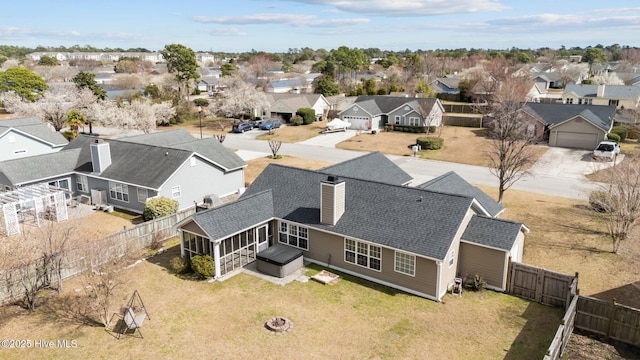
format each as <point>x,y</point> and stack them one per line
<point>278,324</point>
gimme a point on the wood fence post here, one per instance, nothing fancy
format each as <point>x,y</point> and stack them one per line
<point>612,317</point>
<point>539,281</point>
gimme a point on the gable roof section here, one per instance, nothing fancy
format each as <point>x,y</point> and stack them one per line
<point>373,166</point>
<point>162,138</point>
<point>381,213</point>
<point>383,104</point>
<point>452,183</point>
<point>555,114</point>
<point>32,168</point>
<point>33,127</point>
<point>492,232</point>
<point>234,217</point>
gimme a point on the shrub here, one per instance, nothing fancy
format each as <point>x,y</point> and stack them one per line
<point>296,120</point>
<point>430,142</point>
<point>308,115</point>
<point>620,131</point>
<point>159,207</point>
<point>477,283</point>
<point>179,265</point>
<point>613,137</point>
<point>201,102</point>
<point>373,132</point>
<point>202,266</point>
<point>599,200</point>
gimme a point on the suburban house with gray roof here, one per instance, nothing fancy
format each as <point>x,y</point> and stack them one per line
<point>124,173</point>
<point>409,238</point>
<point>28,136</point>
<point>572,126</point>
<point>285,105</point>
<point>375,112</point>
<point>620,96</point>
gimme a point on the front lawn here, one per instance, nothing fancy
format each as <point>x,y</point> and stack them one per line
<point>462,145</point>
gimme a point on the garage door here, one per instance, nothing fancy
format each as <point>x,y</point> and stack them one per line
<point>358,122</point>
<point>576,140</point>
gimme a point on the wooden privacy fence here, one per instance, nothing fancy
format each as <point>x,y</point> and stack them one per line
<point>609,319</point>
<point>541,285</point>
<point>110,247</point>
<point>563,334</point>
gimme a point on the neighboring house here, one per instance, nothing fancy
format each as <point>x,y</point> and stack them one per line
<point>446,85</point>
<point>28,136</point>
<point>205,58</point>
<point>572,126</point>
<point>408,238</point>
<point>620,96</point>
<point>374,112</point>
<point>285,106</point>
<point>126,172</point>
<point>297,86</point>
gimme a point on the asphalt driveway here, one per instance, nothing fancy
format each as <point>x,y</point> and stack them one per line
<point>568,163</point>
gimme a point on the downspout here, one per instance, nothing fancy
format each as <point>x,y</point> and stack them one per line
<point>216,259</point>
<point>438,272</point>
<point>182,243</point>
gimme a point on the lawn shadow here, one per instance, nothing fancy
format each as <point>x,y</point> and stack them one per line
<point>70,308</point>
<point>628,295</point>
<point>163,259</point>
<point>536,335</point>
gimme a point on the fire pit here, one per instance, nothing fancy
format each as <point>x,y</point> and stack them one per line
<point>278,325</point>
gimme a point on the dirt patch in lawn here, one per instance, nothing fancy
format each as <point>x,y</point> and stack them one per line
<point>461,145</point>
<point>293,134</point>
<point>584,346</point>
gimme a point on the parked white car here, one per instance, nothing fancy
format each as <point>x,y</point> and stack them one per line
<point>606,150</point>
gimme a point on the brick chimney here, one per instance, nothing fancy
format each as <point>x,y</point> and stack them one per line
<point>332,203</point>
<point>100,155</point>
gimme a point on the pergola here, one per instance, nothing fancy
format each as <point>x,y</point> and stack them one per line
<point>32,205</point>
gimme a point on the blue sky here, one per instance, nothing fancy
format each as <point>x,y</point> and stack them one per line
<point>278,25</point>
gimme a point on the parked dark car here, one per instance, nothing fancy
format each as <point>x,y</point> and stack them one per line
<point>273,124</point>
<point>241,127</point>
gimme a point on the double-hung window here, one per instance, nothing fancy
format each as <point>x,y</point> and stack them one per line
<point>405,263</point>
<point>142,195</point>
<point>82,183</point>
<point>118,191</point>
<point>363,254</point>
<point>294,235</point>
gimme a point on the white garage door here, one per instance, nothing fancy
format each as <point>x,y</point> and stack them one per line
<point>358,122</point>
<point>576,140</point>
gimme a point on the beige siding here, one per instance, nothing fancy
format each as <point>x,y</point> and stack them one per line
<point>328,248</point>
<point>488,263</point>
<point>331,202</point>
<point>450,273</point>
<point>577,126</point>
<point>192,227</point>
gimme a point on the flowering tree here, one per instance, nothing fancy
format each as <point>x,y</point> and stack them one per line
<point>141,114</point>
<point>54,105</point>
<point>240,97</point>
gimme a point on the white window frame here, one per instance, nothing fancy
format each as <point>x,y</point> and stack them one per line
<point>365,251</point>
<point>452,258</point>
<point>414,121</point>
<point>176,192</point>
<point>144,192</point>
<point>82,183</point>
<point>397,119</point>
<point>293,235</point>
<point>405,263</point>
<point>119,191</point>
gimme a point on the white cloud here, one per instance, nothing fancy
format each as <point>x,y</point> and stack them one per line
<point>297,20</point>
<point>226,31</point>
<point>409,7</point>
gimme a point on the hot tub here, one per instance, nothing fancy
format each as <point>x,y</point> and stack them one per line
<point>279,260</point>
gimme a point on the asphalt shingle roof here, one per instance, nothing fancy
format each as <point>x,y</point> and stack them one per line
<point>32,168</point>
<point>373,166</point>
<point>554,114</point>
<point>452,183</point>
<point>234,217</point>
<point>378,104</point>
<point>414,220</point>
<point>610,91</point>
<point>34,127</point>
<point>496,233</point>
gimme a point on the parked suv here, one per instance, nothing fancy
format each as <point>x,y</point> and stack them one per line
<point>273,124</point>
<point>241,127</point>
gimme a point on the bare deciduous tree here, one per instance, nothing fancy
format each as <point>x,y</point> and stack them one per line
<point>220,137</point>
<point>57,240</point>
<point>509,150</point>
<point>275,147</point>
<point>619,202</point>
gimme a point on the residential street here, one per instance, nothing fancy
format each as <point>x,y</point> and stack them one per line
<point>544,179</point>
